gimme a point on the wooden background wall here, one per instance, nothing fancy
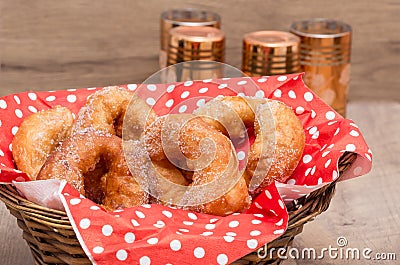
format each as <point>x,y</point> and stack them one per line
<point>48,44</point>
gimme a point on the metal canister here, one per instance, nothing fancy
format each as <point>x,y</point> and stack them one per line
<point>325,58</point>
<point>188,17</point>
<point>270,53</point>
<point>202,44</point>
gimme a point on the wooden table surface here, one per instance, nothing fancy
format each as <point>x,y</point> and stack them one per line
<point>56,45</point>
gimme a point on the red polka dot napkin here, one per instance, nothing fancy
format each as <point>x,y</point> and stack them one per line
<point>155,234</point>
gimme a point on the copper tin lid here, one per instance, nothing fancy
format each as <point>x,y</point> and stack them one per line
<point>186,17</point>
<point>195,43</point>
<point>270,52</point>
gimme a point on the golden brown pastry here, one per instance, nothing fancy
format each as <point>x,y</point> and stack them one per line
<point>94,163</point>
<point>37,136</point>
<point>279,142</point>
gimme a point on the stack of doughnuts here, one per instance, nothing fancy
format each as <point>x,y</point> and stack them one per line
<point>192,157</point>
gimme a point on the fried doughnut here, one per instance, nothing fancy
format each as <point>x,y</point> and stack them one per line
<point>105,111</point>
<point>37,136</point>
<point>218,168</point>
<point>94,163</point>
<point>279,141</point>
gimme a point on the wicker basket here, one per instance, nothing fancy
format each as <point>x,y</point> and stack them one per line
<point>52,239</point>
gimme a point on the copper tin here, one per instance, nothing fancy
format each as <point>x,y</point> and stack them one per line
<point>325,51</point>
<point>185,17</point>
<point>195,43</point>
<point>270,53</point>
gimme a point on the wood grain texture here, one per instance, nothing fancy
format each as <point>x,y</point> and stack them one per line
<point>79,43</point>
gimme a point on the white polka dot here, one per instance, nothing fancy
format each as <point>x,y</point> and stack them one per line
<point>307,159</point>
<point>330,115</point>
<point>279,231</point>
<point>256,222</point>
<point>159,224</point>
<point>140,214</point>
<point>241,155</point>
<point>145,260</point>
<point>167,213</point>
<point>210,226</point>
<point>98,250</point>
<point>169,103</point>
<point>199,252</point>
<point>357,171</point>
<point>313,114</point>
<point>320,181</point>
<point>71,98</point>
<point>188,83</point>
<point>335,175</point>
<point>255,233</point>
<point>261,80</point>
<point>282,78</point>
<point>308,96</point>
<point>229,239</point>
<point>354,125</point>
<point>243,82</point>
<point>152,87</point>
<point>325,153</point>
<point>277,93</point>
<point>337,131</point>
<point>192,216</point>
<point>252,243</point>
<point>207,80</point>
<point>185,94</point>
<point>94,208</point>
<point>84,223</point>
<point>315,135</point>
<point>222,86</point>
<point>152,241</point>
<point>327,163</point>
<point>207,233</point>
<point>32,109</point>
<point>135,223</point>
<point>188,223</point>
<point>226,78</point>
<point>17,100</point>
<point>150,101</point>
<point>233,224</point>
<point>222,259</point>
<point>129,237</point>
<point>107,230</point>
<point>203,90</point>
<point>368,157</point>
<point>279,223</point>
<point>260,94</point>
<point>3,104</point>
<point>1,123</point>
<point>292,94</point>
<point>354,133</point>
<point>32,96</point>
<point>299,110</point>
<point>291,181</point>
<point>122,255</point>
<point>313,130</point>
<point>268,194</point>
<point>200,102</point>
<point>18,113</point>
<point>175,245</point>
<point>50,98</point>
<point>350,147</point>
<point>313,170</point>
<point>307,172</point>
<point>132,87</point>
<point>258,205</point>
<point>1,153</point>
<point>281,204</point>
<point>75,201</point>
<point>241,94</point>
<point>213,220</point>
<point>10,146</point>
<point>91,88</point>
<point>182,109</point>
<point>170,88</point>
